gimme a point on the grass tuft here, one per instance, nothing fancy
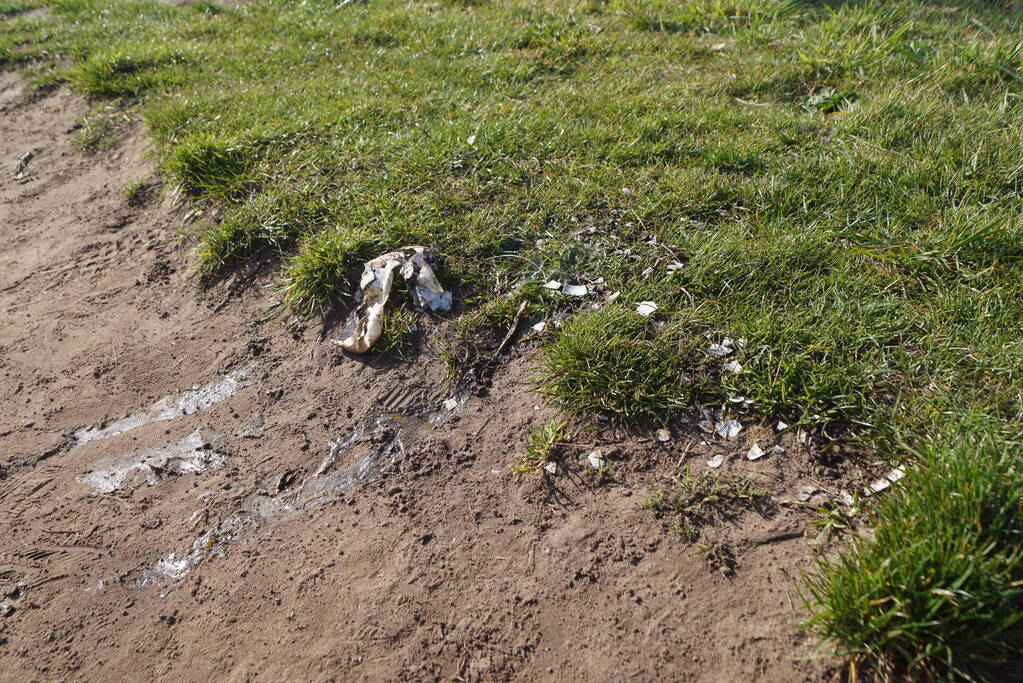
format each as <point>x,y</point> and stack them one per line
<point>691,501</point>
<point>121,74</point>
<point>938,591</point>
<point>542,445</point>
<point>318,276</point>
<point>209,167</point>
<point>615,362</point>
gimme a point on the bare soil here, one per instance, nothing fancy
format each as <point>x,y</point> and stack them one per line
<point>223,540</point>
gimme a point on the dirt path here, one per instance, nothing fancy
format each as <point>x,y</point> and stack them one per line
<point>173,506</point>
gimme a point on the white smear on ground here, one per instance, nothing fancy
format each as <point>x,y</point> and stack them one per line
<point>172,407</point>
<point>187,456</point>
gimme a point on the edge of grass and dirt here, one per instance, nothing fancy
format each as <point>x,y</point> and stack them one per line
<point>835,185</point>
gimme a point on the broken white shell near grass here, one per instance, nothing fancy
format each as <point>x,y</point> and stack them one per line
<point>575,290</point>
<point>716,461</point>
<point>781,426</point>
<point>551,467</point>
<point>733,366</point>
<point>552,284</point>
<point>540,326</point>
<point>879,485</point>
<point>755,452</point>
<point>674,266</point>
<point>366,323</point>
<point>719,350</point>
<point>596,459</point>
<point>646,307</point>
<point>777,450</point>
<point>728,429</point>
<point>663,435</point>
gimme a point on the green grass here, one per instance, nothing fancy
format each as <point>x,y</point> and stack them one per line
<point>140,192</point>
<point>691,501</point>
<point>839,181</point>
<point>938,592</point>
<point>101,128</point>
<point>541,446</point>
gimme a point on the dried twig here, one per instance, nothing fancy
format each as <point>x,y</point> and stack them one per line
<point>514,326</point>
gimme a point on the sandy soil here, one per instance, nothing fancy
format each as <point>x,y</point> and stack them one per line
<point>187,492</point>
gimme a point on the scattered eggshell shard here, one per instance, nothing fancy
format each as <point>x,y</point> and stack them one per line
<point>552,284</point>
<point>755,452</point>
<point>575,290</point>
<point>733,366</point>
<point>596,459</point>
<point>719,350</point>
<point>551,467</point>
<point>675,266</point>
<point>728,429</point>
<point>611,298</point>
<point>663,435</point>
<point>540,326</point>
<point>777,450</point>
<point>878,485</point>
<point>781,426</point>
<point>646,307</point>
<point>805,493</point>
<point>716,461</point>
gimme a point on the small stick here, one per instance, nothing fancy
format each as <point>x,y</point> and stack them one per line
<point>480,428</point>
<point>119,500</point>
<point>514,326</point>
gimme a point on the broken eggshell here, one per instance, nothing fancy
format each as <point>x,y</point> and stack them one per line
<point>728,429</point>
<point>575,290</point>
<point>755,452</point>
<point>720,350</point>
<point>646,307</point>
